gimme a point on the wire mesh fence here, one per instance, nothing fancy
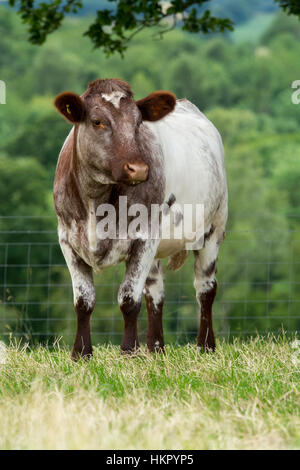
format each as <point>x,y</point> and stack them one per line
<point>258,287</point>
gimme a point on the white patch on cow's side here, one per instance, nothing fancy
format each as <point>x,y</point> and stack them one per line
<point>114,97</point>
<point>193,166</point>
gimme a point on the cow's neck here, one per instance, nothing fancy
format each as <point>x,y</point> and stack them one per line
<point>93,194</point>
<point>93,186</point>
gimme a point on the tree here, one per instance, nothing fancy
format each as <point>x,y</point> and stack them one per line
<point>292,7</point>
<point>113,28</point>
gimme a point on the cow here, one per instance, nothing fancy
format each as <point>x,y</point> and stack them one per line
<point>154,151</point>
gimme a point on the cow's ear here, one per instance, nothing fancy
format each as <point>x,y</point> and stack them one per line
<point>71,106</point>
<point>156,105</point>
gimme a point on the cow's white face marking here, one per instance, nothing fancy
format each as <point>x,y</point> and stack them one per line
<point>114,97</point>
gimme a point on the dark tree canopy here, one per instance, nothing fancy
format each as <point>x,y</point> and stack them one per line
<point>113,28</point>
<point>292,7</point>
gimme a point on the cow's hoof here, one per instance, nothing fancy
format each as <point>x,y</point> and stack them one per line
<point>77,356</point>
<point>206,348</point>
<point>156,348</point>
<point>130,352</point>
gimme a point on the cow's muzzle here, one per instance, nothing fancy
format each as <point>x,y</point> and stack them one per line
<point>136,172</point>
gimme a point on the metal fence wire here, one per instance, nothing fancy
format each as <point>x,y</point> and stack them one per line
<point>258,287</point>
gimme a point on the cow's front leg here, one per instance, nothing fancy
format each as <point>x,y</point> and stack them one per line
<point>154,295</point>
<point>84,300</point>
<point>130,293</point>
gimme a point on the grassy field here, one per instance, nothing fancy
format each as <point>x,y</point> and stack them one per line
<point>245,396</point>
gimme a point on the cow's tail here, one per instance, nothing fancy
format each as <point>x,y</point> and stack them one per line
<point>176,261</point>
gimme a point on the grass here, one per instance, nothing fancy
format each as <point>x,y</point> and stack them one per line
<point>245,396</point>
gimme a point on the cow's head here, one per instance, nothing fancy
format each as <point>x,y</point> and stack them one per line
<point>108,121</point>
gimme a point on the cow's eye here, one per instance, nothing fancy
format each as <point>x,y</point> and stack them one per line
<point>99,124</point>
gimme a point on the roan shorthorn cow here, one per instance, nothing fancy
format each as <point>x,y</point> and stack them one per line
<point>155,151</point>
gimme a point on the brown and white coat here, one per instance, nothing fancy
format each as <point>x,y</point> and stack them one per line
<point>153,151</point>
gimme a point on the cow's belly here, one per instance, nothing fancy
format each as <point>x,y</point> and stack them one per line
<point>169,247</point>
<point>182,226</point>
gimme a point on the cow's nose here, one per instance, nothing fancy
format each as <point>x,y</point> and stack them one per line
<point>136,172</point>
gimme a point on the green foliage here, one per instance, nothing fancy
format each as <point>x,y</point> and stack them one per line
<point>41,130</point>
<point>292,7</point>
<point>113,28</point>
<point>23,179</point>
<point>282,24</point>
<point>44,18</point>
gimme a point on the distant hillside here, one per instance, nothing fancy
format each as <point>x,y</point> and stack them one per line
<point>242,11</point>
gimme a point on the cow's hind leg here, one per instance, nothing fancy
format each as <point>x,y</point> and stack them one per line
<point>84,300</point>
<point>154,295</point>
<point>205,284</point>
